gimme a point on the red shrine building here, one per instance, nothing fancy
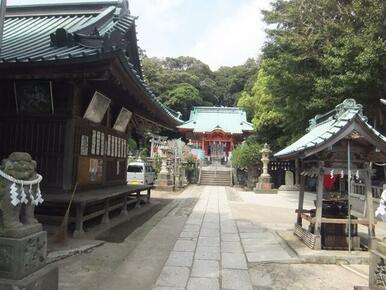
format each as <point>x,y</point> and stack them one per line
<point>216,130</point>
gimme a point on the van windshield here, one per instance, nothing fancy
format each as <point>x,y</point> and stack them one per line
<point>135,168</point>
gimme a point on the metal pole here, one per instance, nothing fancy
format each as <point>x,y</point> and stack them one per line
<point>3,7</point>
<point>349,193</point>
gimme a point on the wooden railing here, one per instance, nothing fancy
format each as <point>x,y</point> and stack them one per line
<point>360,189</point>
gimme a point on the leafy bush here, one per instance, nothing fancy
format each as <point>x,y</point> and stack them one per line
<point>247,154</point>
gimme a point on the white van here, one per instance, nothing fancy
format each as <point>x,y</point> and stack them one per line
<point>140,172</point>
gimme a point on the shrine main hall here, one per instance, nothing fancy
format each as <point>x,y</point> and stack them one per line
<point>216,130</point>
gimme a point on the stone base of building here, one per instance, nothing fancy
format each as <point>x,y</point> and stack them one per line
<point>289,188</point>
<point>46,278</point>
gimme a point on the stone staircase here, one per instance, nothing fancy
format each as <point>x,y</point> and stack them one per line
<point>216,177</point>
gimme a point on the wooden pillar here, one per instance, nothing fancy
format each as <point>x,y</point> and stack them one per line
<point>297,173</point>
<point>319,206</point>
<point>148,195</point>
<point>124,206</point>
<point>138,198</point>
<point>370,205</point>
<point>106,217</point>
<point>79,218</point>
<point>301,199</point>
<point>69,174</point>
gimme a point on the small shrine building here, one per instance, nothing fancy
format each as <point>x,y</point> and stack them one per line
<point>339,150</point>
<point>216,130</point>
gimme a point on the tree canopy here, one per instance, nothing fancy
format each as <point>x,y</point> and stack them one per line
<point>170,78</point>
<point>318,53</point>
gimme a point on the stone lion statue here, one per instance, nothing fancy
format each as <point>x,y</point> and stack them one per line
<point>19,192</point>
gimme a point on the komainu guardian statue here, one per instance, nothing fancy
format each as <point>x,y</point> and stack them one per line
<point>19,194</point>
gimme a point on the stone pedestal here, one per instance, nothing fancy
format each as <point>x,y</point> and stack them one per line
<point>377,263</point>
<point>23,263</point>
<point>264,185</point>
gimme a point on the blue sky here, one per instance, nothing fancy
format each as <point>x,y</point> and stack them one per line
<point>218,32</point>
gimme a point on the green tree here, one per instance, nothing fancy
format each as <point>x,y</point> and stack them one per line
<point>219,88</point>
<point>318,53</point>
<point>246,154</point>
<point>182,98</point>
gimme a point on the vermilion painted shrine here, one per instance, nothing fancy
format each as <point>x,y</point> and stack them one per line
<point>216,130</point>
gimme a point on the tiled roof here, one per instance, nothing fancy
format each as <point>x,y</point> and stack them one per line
<point>324,128</point>
<point>208,119</point>
<point>52,32</point>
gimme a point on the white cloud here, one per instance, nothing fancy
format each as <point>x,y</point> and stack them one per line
<point>156,13</point>
<point>234,39</point>
<point>157,21</point>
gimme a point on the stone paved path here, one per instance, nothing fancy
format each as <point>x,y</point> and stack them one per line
<point>213,250</point>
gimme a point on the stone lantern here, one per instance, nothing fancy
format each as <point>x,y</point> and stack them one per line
<point>164,181</point>
<point>264,181</point>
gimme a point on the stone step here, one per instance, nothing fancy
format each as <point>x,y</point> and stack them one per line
<point>216,177</point>
<point>213,175</point>
<point>205,179</point>
<point>222,179</point>
<point>217,184</point>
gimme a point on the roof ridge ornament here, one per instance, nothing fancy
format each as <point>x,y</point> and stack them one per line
<point>349,105</point>
<point>312,123</point>
<point>61,37</point>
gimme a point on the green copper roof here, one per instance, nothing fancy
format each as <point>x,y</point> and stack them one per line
<point>65,32</point>
<point>325,128</point>
<point>208,119</point>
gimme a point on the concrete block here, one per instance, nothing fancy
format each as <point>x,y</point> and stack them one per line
<point>173,277</point>
<point>208,242</point>
<point>236,280</point>
<point>231,247</point>
<point>205,269</point>
<point>207,253</point>
<point>180,259</point>
<point>233,261</point>
<point>230,237</point>
<point>203,283</point>
<point>184,245</point>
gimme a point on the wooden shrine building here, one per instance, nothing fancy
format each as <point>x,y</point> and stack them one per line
<point>216,130</point>
<point>72,91</point>
<point>338,149</point>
